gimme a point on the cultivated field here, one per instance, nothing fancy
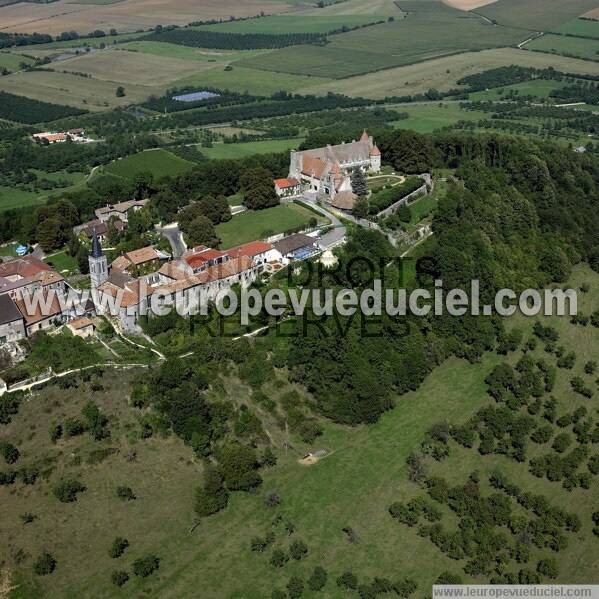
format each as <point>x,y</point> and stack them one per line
<point>252,81</point>
<point>566,45</point>
<point>426,118</point>
<point>539,88</point>
<point>443,73</point>
<point>592,14</point>
<point>581,27</point>
<point>251,225</point>
<point>159,162</point>
<point>133,67</point>
<point>279,24</point>
<point>72,90</point>
<point>359,7</point>
<point>241,150</point>
<point>535,15</point>
<point>129,15</point>
<point>433,31</point>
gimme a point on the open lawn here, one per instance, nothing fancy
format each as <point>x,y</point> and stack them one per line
<point>62,262</point>
<point>422,35</point>
<point>443,73</point>
<point>129,16</point>
<point>260,224</point>
<point>382,8</point>
<point>279,24</point>
<point>535,15</point>
<point>132,67</point>
<point>241,150</point>
<point>72,90</point>
<point>249,80</point>
<point>422,208</point>
<point>540,88</point>
<point>425,118</point>
<point>566,45</point>
<point>159,162</point>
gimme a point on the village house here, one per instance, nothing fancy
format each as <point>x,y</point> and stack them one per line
<point>23,276</point>
<point>98,228</point>
<point>201,258</point>
<point>144,262</point>
<point>287,187</point>
<point>81,327</point>
<point>327,171</point>
<point>12,323</point>
<point>43,315</point>
<point>260,252</point>
<point>121,210</point>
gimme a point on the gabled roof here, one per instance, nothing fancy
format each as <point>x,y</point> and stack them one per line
<point>251,249</point>
<point>37,315</point>
<point>344,200</point>
<point>137,257</point>
<point>375,151</point>
<point>80,323</point>
<point>8,310</point>
<point>285,183</point>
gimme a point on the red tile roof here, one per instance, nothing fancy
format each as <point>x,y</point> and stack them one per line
<point>375,151</point>
<point>284,183</point>
<point>251,249</point>
<point>37,316</point>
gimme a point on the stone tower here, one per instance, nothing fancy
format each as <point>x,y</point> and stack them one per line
<point>98,265</point>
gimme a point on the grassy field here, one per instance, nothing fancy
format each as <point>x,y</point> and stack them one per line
<point>250,80</point>
<point>241,150</point>
<point>383,8</point>
<point>540,88</point>
<point>421,36</point>
<point>159,162</point>
<point>62,262</point>
<point>132,67</point>
<point>443,73</point>
<point>279,24</point>
<point>421,208</point>
<point>425,118</point>
<point>580,27</point>
<point>72,90</point>
<point>11,197</point>
<point>566,45</point>
<point>353,486</point>
<point>12,61</point>
<point>187,53</point>
<point>534,15</point>
<point>260,224</point>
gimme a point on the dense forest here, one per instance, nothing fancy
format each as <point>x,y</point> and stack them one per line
<point>233,41</point>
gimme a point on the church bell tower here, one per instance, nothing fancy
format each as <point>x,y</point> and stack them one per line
<point>98,265</point>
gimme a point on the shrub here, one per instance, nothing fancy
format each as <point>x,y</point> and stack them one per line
<point>66,491</point>
<point>548,567</point>
<point>119,577</point>
<point>44,564</point>
<point>73,427</point>
<point>55,432</point>
<point>9,452</point>
<point>317,579</point>
<point>125,493</point>
<point>278,558</point>
<point>298,549</point>
<point>144,566</point>
<point>295,587</point>
<point>118,547</point>
<point>347,580</point>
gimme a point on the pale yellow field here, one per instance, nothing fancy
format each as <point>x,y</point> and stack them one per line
<point>442,73</point>
<point>592,14</point>
<point>133,67</point>
<point>129,15</point>
<point>72,90</point>
<point>468,4</point>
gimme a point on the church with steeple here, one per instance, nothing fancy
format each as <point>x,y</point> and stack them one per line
<point>98,264</point>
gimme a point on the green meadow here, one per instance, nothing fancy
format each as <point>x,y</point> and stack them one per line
<point>241,150</point>
<point>159,162</point>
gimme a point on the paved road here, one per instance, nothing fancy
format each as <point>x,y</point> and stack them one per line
<point>175,237</point>
<point>336,235</point>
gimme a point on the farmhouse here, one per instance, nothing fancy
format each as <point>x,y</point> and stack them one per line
<point>49,138</point>
<point>327,171</point>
